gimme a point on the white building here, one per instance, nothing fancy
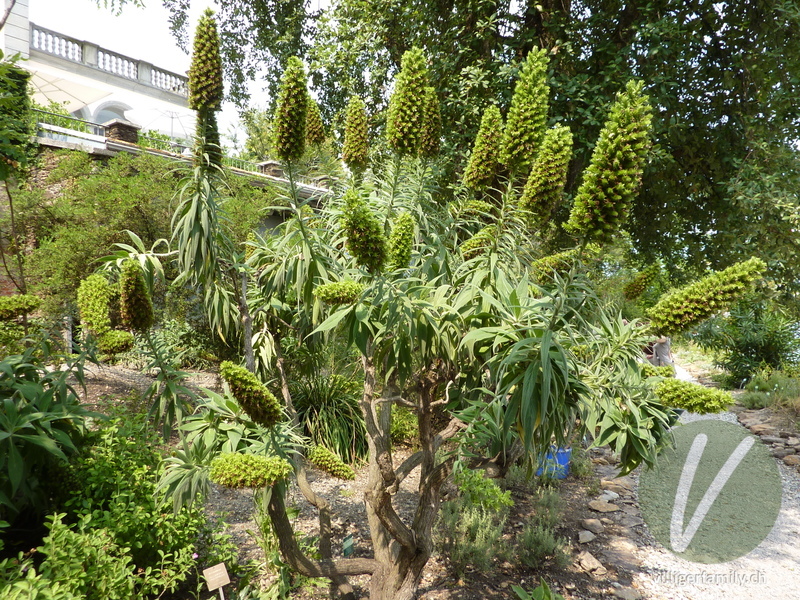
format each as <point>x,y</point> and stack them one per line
<point>94,83</point>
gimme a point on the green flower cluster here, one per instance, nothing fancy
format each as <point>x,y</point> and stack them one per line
<point>683,308</point>
<point>330,463</point>
<point>479,243</point>
<point>315,130</point>
<point>561,262</point>
<point>612,179</point>
<point>527,115</point>
<point>356,147</point>
<point>365,238</point>
<point>431,134</point>
<point>650,370</point>
<point>408,107</point>
<point>95,294</point>
<point>478,210</point>
<point>636,286</point>
<point>15,306</point>
<point>291,112</point>
<point>205,73</point>
<point>253,396</point>
<point>135,305</point>
<point>545,186</point>
<point>692,396</point>
<point>485,157</point>
<point>235,470</point>
<point>339,292</point>
<point>401,241</point>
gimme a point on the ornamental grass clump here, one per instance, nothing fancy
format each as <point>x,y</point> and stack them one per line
<point>256,400</point>
<point>330,463</point>
<point>365,238</point>
<point>545,186</point>
<point>401,241</point>
<point>612,180</point>
<point>406,120</point>
<point>636,286</point>
<point>135,305</point>
<point>693,397</point>
<point>688,306</point>
<point>339,292</point>
<point>527,115</point>
<point>291,113</point>
<point>234,470</point>
<point>356,145</point>
<point>485,158</point>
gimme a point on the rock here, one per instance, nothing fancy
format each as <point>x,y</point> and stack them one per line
<point>793,460</point>
<point>623,482</point>
<point>606,521</point>
<point>792,441</point>
<point>622,553</point>
<point>584,537</point>
<point>630,510</point>
<point>630,521</point>
<point>603,507</point>
<point>600,461</point>
<point>627,594</point>
<point>608,496</point>
<point>593,525</point>
<point>783,452</point>
<point>763,429</point>
<point>771,439</point>
<point>590,564</point>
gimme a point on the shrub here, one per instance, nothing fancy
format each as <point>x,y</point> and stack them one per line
<point>692,396</point>
<point>636,286</point>
<point>478,490</point>
<point>405,427</point>
<point>135,304</point>
<point>480,243</point>
<point>330,463</point>
<point>539,542</point>
<point>252,395</point>
<point>650,370</point>
<point>18,305</point>
<point>470,536</point>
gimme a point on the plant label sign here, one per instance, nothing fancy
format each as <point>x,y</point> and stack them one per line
<point>216,576</point>
<point>347,545</point>
<point>700,499</point>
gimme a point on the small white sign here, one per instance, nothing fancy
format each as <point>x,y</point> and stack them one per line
<point>216,576</point>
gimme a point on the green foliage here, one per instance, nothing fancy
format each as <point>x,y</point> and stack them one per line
<point>339,292</point>
<point>688,306</point>
<point>559,263</point>
<point>205,73</point>
<point>401,241</point>
<point>291,113</point>
<point>480,243</point>
<point>753,335</point>
<point>613,177</point>
<point>257,401</point>
<point>15,129</point>
<point>650,370</point>
<point>485,158</point>
<point>636,286</point>
<point>365,238</point>
<point>94,296</point>
<point>478,210</point>
<point>330,463</point>
<point>135,304</point>
<point>538,541</point>
<point>527,115</point>
<point>409,116</point>
<point>692,396</point>
<point>470,536</point>
<point>777,389</point>
<point>545,186</point>
<point>18,305</point>
<point>541,592</point>
<point>355,150</point>
<point>478,490</point>
<point>431,124</point>
<point>315,130</point>
<point>405,427</point>
<point>115,341</point>
<point>248,470</point>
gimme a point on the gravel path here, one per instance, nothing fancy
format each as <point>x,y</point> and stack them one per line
<point>772,570</point>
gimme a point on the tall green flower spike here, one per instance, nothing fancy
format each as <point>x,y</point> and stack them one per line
<point>407,107</point>
<point>527,116</point>
<point>256,400</point>
<point>135,304</point>
<point>356,148</point>
<point>432,125</point>
<point>291,113</point>
<point>234,470</point>
<point>205,73</point>
<point>612,179</point>
<point>545,186</point>
<point>365,238</point>
<point>315,130</point>
<point>401,241</point>
<point>485,157</point>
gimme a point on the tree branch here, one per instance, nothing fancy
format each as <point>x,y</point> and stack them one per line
<point>7,13</point>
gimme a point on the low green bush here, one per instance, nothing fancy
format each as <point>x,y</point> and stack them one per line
<point>692,396</point>
<point>405,427</point>
<point>470,536</point>
<point>18,305</point>
<point>650,370</point>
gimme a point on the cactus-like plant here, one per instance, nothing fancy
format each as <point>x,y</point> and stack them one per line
<point>330,463</point>
<point>365,238</point>
<point>291,112</point>
<point>545,186</point>
<point>527,115</point>
<point>636,286</point>
<point>401,241</point>
<point>356,148</point>
<point>346,291</point>
<point>135,304</point>
<point>236,470</point>
<point>205,73</point>
<point>256,400</point>
<point>688,306</point>
<point>692,396</point>
<point>612,179</point>
<point>485,157</point>
<point>431,124</point>
<point>405,122</point>
<point>315,130</point>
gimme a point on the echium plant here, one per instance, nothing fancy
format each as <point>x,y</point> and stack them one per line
<point>401,241</point>
<point>365,238</point>
<point>527,115</point>
<point>545,186</point>
<point>636,286</point>
<point>206,88</point>
<point>291,113</point>
<point>485,157</point>
<point>315,130</point>
<point>135,304</point>
<point>356,148</point>
<point>405,123</point>
<point>611,181</point>
<point>431,124</point>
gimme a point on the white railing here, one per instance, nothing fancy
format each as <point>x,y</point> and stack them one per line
<point>164,80</point>
<point>116,64</point>
<point>56,44</point>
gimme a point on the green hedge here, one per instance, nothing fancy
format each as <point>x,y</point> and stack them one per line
<point>692,396</point>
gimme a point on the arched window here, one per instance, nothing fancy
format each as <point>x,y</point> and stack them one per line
<point>109,111</point>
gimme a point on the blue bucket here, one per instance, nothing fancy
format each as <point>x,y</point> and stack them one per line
<point>555,464</point>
